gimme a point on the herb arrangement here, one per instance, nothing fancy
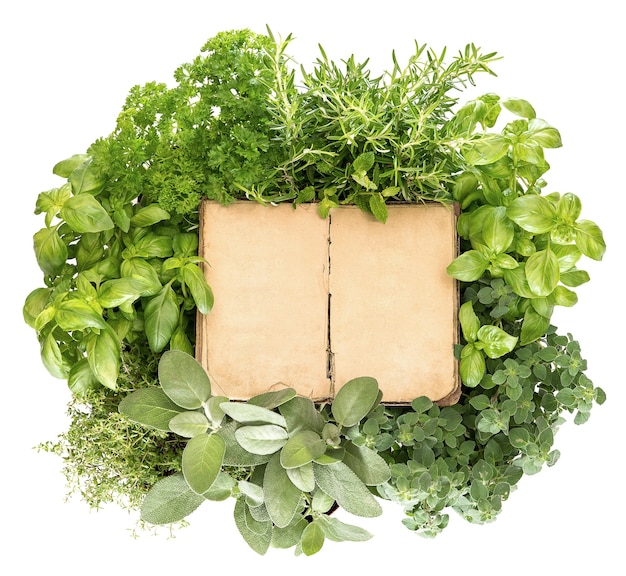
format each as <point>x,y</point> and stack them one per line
<point>123,283</point>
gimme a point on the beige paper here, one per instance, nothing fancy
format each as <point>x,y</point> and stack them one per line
<point>392,304</point>
<point>311,303</point>
<point>268,268</point>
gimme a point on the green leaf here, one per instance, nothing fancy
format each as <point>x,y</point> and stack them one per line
<point>34,305</point>
<point>496,341</point>
<point>312,538</point>
<point>252,492</point>
<point>290,535</point>
<point>300,414</point>
<point>368,465</point>
<point>497,230</point>
<point>282,497</point>
<point>354,400</point>
<point>50,251</point>
<point>148,216</point>
<point>303,447</point>
<point>169,500</point>
<point>543,134</point>
<point>261,439</point>
<point>221,489</point>
<point>519,107</point>
<point>258,542</point>
<point>65,167</point>
<point>250,414</point>
<point>590,240</point>
<point>468,267</point>
<point>161,315</point>
<point>574,278</point>
<point>202,461</point>
<point>138,268</point>
<point>534,326</point>
<point>149,407</point>
<point>201,292</point>
<point>183,379</point>
<point>83,213</point>
<point>189,424</point>
<point>343,485</point>
<point>76,314</point>
<point>235,454</point>
<point>81,379</point>
<point>542,272</point>
<point>364,162</point>
<point>533,213</point>
<point>302,477</point>
<point>120,291</point>
<point>378,207</point>
<point>564,296</point>
<point>485,150</point>
<point>273,399</point>
<point>470,323</point>
<point>471,366</point>
<point>83,179</point>
<point>103,354</point>
<point>339,531</point>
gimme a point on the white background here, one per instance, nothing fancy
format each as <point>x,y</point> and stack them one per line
<point>66,69</point>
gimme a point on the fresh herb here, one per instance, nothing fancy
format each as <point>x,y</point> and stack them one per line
<point>122,285</point>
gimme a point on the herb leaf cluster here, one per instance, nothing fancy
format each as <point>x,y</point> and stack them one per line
<point>286,461</point>
<point>123,283</point>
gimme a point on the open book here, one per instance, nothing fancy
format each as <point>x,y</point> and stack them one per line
<point>311,303</point>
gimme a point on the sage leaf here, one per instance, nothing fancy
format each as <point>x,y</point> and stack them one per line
<point>189,424</point>
<point>371,469</point>
<point>354,400</point>
<point>302,448</point>
<point>161,318</point>
<point>252,492</point>
<point>221,489</point>
<point>273,399</point>
<point>302,477</point>
<point>261,439</point>
<point>300,414</point>
<point>202,461</point>
<point>250,414</point>
<point>281,496</point>
<point>312,538</point>
<point>339,531</point>
<point>258,542</point>
<point>344,486</point>
<point>150,407</point>
<point>235,454</point>
<point>290,535</point>
<point>184,379</point>
<point>83,213</point>
<point>169,500</point>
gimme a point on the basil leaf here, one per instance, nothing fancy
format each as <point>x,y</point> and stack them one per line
<point>83,213</point>
<point>161,316</point>
<point>50,251</point>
